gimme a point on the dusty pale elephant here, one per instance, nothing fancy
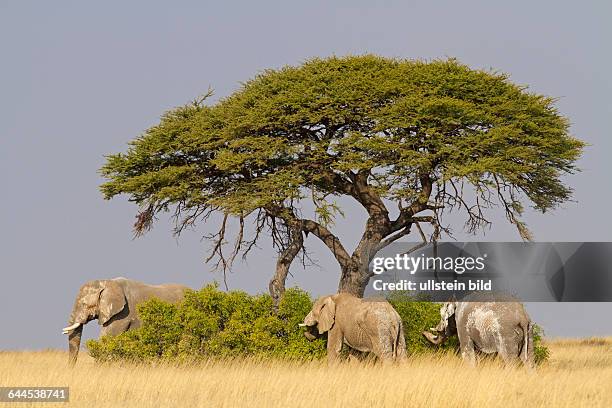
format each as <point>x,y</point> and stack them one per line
<point>363,325</point>
<point>501,326</point>
<point>113,302</point>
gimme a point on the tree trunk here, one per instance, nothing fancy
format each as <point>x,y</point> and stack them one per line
<point>356,274</point>
<point>354,279</point>
<point>277,283</point>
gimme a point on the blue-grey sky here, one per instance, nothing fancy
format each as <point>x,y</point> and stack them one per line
<point>80,79</point>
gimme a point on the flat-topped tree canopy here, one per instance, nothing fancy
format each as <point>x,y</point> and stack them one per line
<point>426,137</point>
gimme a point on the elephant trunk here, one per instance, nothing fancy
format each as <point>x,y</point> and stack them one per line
<point>74,343</point>
<point>311,333</point>
<point>74,331</point>
<point>435,339</point>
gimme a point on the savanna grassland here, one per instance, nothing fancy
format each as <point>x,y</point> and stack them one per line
<point>578,373</point>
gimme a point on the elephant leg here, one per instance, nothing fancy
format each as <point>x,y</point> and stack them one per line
<point>512,347</point>
<point>382,340</point>
<point>467,351</point>
<point>506,357</point>
<point>506,348</point>
<point>383,348</point>
<point>334,345</point>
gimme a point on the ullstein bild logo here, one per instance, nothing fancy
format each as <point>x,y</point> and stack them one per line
<point>530,271</point>
<point>414,264</point>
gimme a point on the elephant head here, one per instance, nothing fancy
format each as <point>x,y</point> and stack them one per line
<point>101,299</point>
<point>321,317</point>
<point>446,327</point>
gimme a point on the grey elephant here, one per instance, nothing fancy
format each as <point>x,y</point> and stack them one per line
<point>501,326</point>
<point>365,325</point>
<point>113,302</point>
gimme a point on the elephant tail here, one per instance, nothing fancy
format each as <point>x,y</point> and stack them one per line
<point>527,353</point>
<point>399,349</point>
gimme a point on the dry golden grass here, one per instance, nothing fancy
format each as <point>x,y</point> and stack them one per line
<point>579,373</point>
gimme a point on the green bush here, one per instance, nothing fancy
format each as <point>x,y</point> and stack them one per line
<point>213,323</point>
<point>540,351</point>
<point>416,317</point>
<point>210,322</point>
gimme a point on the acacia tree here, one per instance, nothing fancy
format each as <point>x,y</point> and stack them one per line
<point>424,137</point>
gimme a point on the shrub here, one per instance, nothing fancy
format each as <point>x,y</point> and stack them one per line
<point>416,317</point>
<point>213,323</point>
<point>210,322</point>
<point>540,351</point>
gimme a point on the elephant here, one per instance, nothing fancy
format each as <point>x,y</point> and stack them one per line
<point>365,325</point>
<point>113,302</point>
<point>501,327</point>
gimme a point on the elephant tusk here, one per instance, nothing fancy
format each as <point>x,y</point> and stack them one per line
<point>70,328</point>
<point>433,329</point>
<point>302,324</point>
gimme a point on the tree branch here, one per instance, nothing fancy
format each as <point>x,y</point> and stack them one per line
<point>418,205</point>
<point>310,226</point>
<point>392,238</point>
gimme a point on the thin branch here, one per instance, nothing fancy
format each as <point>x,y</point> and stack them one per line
<point>418,246</point>
<point>392,238</point>
<point>218,239</point>
<point>511,212</point>
<point>239,241</point>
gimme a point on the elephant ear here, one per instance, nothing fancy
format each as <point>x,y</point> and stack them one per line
<point>112,301</point>
<point>327,315</point>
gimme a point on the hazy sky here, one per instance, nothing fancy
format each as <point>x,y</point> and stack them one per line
<point>80,79</point>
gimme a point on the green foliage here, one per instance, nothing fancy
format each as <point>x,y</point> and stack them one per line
<point>540,351</point>
<point>311,127</point>
<point>211,323</point>
<point>416,317</point>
